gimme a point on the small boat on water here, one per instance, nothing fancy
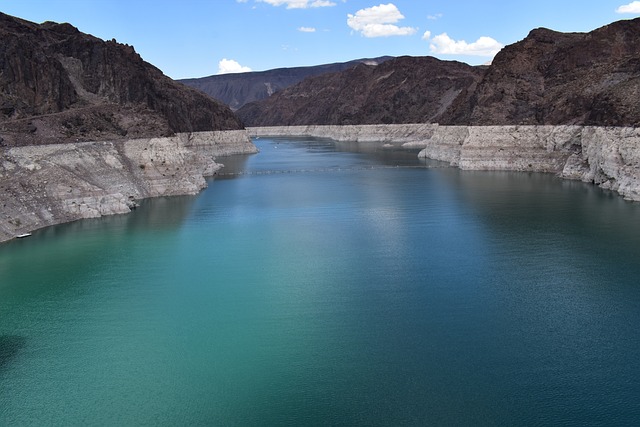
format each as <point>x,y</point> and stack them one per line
<point>23,235</point>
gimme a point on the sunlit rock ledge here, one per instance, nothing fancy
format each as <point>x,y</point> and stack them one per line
<point>606,156</point>
<point>51,184</point>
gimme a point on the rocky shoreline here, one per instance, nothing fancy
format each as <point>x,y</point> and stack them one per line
<point>605,156</point>
<point>51,184</point>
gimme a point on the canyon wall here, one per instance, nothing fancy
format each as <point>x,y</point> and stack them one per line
<point>606,156</point>
<point>238,89</point>
<point>398,91</point>
<point>59,85</point>
<point>51,184</point>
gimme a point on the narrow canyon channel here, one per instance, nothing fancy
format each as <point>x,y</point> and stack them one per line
<point>324,283</point>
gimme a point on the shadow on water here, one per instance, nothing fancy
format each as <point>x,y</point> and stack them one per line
<point>10,346</point>
<point>545,202</point>
<point>232,165</point>
<point>589,228</point>
<point>153,215</point>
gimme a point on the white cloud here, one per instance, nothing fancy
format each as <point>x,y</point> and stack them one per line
<point>307,30</point>
<point>226,66</point>
<point>434,17</point>
<point>426,35</point>
<point>633,7</point>
<point>299,4</point>
<point>379,21</point>
<point>322,3</point>
<point>484,46</point>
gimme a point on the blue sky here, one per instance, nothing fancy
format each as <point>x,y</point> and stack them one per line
<point>196,38</point>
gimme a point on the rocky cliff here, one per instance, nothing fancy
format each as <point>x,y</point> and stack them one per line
<point>87,128</point>
<point>238,89</point>
<point>49,184</point>
<point>555,78</point>
<point>549,78</point>
<point>60,85</point>
<point>401,90</point>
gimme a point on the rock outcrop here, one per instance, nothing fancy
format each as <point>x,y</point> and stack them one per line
<point>59,85</point>
<point>549,78</point>
<point>238,89</point>
<point>50,184</point>
<point>609,157</point>
<point>556,78</point>
<point>401,90</point>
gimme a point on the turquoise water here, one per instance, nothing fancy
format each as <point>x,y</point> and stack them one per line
<point>327,285</point>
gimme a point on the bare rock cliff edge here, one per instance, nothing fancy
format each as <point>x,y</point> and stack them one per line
<point>400,90</point>
<point>42,185</point>
<point>60,85</point>
<point>554,78</point>
<point>87,128</point>
<point>549,78</point>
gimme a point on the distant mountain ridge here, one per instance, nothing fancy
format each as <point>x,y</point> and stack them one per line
<point>238,89</point>
<point>400,90</point>
<point>562,78</point>
<point>549,78</point>
<point>58,84</point>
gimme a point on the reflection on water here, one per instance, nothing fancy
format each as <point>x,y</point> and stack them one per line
<point>357,286</point>
<point>540,205</point>
<point>234,164</point>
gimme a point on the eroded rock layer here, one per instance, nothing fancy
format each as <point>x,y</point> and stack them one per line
<point>51,184</point>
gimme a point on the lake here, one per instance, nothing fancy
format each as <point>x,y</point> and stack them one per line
<point>322,283</point>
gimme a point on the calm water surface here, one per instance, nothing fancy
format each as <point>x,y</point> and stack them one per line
<point>330,286</point>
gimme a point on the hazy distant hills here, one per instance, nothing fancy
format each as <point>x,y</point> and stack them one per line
<point>547,78</point>
<point>238,89</point>
<point>58,84</point>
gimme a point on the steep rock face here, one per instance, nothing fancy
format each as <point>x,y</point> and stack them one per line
<point>609,158</point>
<point>238,89</point>
<point>555,78</point>
<point>50,184</point>
<point>549,78</point>
<point>401,90</point>
<point>58,84</point>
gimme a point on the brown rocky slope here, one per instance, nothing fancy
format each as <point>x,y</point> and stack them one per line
<point>238,89</point>
<point>549,78</point>
<point>556,78</point>
<point>400,90</point>
<point>60,85</point>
